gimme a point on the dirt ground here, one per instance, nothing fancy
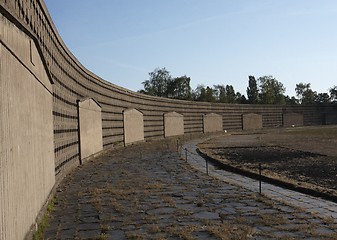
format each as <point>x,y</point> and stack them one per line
<point>305,156</point>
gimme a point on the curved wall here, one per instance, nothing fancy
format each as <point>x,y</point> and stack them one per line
<point>73,82</point>
<point>27,172</point>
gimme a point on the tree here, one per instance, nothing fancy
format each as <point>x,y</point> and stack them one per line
<point>291,100</point>
<point>157,84</point>
<point>230,94</point>
<point>220,93</point>
<point>322,98</point>
<point>252,90</point>
<point>161,84</point>
<point>333,94</point>
<point>199,94</point>
<point>304,93</point>
<point>179,88</point>
<point>203,94</point>
<point>210,94</point>
<point>226,94</point>
<point>241,99</point>
<point>271,90</point>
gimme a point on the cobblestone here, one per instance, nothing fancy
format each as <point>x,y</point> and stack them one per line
<point>158,195</point>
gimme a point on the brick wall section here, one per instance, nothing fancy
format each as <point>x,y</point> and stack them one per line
<point>73,82</point>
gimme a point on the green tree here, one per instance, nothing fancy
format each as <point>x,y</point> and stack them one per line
<point>271,90</point>
<point>157,84</point>
<point>242,100</point>
<point>322,98</point>
<point>252,90</point>
<point>230,94</point>
<point>220,92</point>
<point>199,94</point>
<point>291,100</point>
<point>333,94</point>
<point>210,96</point>
<point>304,93</point>
<point>179,88</point>
<point>226,94</point>
<point>204,94</point>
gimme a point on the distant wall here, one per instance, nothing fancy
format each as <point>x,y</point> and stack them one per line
<point>32,52</point>
<point>173,124</point>
<point>251,121</point>
<point>330,118</point>
<point>212,123</point>
<point>27,168</point>
<point>90,127</point>
<point>292,119</point>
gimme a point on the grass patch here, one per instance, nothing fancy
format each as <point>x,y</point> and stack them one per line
<point>184,232</point>
<point>168,200</point>
<point>225,231</point>
<point>102,236</point>
<point>44,223</point>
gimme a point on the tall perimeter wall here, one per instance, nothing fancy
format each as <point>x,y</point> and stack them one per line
<point>45,92</point>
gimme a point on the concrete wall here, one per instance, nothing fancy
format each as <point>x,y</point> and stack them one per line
<point>27,170</point>
<point>90,127</point>
<point>330,118</point>
<point>251,121</point>
<point>72,81</point>
<point>292,119</point>
<point>133,126</point>
<point>173,124</point>
<point>212,123</point>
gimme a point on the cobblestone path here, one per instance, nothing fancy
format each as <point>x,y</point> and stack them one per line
<point>147,191</point>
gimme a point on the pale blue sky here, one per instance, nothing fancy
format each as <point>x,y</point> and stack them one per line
<point>211,41</point>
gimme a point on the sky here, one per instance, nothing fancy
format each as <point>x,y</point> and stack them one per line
<point>210,41</point>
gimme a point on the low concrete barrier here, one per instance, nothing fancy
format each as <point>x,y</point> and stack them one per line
<point>173,124</point>
<point>212,123</point>
<point>133,126</point>
<point>251,121</point>
<point>90,127</point>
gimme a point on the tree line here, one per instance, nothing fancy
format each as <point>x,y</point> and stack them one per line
<point>263,90</point>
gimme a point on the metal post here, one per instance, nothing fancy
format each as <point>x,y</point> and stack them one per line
<point>260,178</point>
<point>177,145</point>
<point>207,166</point>
<point>186,154</point>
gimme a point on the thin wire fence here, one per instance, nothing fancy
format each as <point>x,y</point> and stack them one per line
<point>192,155</point>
